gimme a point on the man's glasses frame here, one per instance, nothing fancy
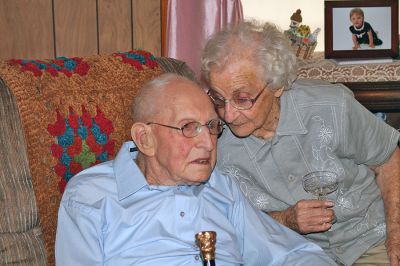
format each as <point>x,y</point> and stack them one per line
<point>192,129</point>
<point>246,104</point>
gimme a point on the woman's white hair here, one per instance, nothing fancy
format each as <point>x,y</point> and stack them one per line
<point>266,45</point>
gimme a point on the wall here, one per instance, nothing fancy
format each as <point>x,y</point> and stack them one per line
<point>50,28</point>
<point>279,12</point>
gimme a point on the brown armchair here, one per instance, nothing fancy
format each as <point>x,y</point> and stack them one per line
<point>58,117</point>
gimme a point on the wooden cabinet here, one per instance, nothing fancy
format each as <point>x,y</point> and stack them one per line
<point>376,86</point>
<point>383,96</point>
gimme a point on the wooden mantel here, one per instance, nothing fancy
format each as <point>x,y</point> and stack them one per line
<point>383,96</point>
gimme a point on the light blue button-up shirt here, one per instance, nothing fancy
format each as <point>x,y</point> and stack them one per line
<point>110,215</point>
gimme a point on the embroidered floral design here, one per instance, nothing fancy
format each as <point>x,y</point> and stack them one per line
<point>138,59</point>
<point>380,229</point>
<point>344,203</point>
<point>67,66</point>
<point>81,142</point>
<point>247,186</point>
<point>261,201</point>
<point>363,225</point>
<point>322,151</point>
<point>325,134</point>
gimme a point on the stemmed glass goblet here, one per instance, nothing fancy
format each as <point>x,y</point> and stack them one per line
<point>320,183</point>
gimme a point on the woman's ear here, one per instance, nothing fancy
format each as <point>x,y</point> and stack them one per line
<point>143,138</point>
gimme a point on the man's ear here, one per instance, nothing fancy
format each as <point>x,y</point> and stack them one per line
<point>278,93</point>
<point>143,138</point>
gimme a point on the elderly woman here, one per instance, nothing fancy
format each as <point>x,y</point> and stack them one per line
<point>281,128</point>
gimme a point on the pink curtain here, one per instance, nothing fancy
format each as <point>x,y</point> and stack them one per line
<point>191,22</point>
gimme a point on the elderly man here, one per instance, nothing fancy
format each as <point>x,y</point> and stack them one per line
<point>145,207</point>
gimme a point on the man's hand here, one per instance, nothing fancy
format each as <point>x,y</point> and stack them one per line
<point>307,216</point>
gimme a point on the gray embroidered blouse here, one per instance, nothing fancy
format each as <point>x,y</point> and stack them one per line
<point>321,127</point>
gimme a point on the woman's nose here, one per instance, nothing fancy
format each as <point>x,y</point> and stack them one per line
<point>229,113</point>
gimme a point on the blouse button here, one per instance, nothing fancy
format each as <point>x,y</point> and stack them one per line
<point>339,250</point>
<point>182,214</point>
<point>291,178</point>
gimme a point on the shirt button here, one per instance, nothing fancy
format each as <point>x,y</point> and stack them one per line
<point>196,257</point>
<point>339,250</point>
<point>182,214</point>
<point>291,178</point>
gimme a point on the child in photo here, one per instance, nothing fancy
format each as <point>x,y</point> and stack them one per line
<point>362,31</point>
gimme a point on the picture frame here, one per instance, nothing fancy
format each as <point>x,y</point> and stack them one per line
<point>345,37</point>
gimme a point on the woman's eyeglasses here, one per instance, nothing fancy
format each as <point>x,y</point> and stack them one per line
<point>239,100</point>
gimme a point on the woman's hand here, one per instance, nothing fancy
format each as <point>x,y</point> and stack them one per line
<point>393,248</point>
<point>307,216</point>
<point>388,180</point>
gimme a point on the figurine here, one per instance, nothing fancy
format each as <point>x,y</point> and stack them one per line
<point>302,39</point>
<point>295,20</point>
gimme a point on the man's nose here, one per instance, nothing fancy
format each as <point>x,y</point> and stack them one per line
<point>206,138</point>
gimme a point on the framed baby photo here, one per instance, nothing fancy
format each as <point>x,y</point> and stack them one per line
<point>361,29</point>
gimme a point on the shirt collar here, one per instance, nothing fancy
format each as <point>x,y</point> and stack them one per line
<point>290,123</point>
<point>128,176</point>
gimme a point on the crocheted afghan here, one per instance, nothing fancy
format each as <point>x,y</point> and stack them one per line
<point>75,112</point>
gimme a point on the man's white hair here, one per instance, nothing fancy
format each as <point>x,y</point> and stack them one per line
<point>147,102</point>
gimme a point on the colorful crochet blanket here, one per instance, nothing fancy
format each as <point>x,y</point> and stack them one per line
<point>75,112</point>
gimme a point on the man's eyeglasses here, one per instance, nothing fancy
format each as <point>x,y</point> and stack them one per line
<point>239,100</point>
<point>192,129</point>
